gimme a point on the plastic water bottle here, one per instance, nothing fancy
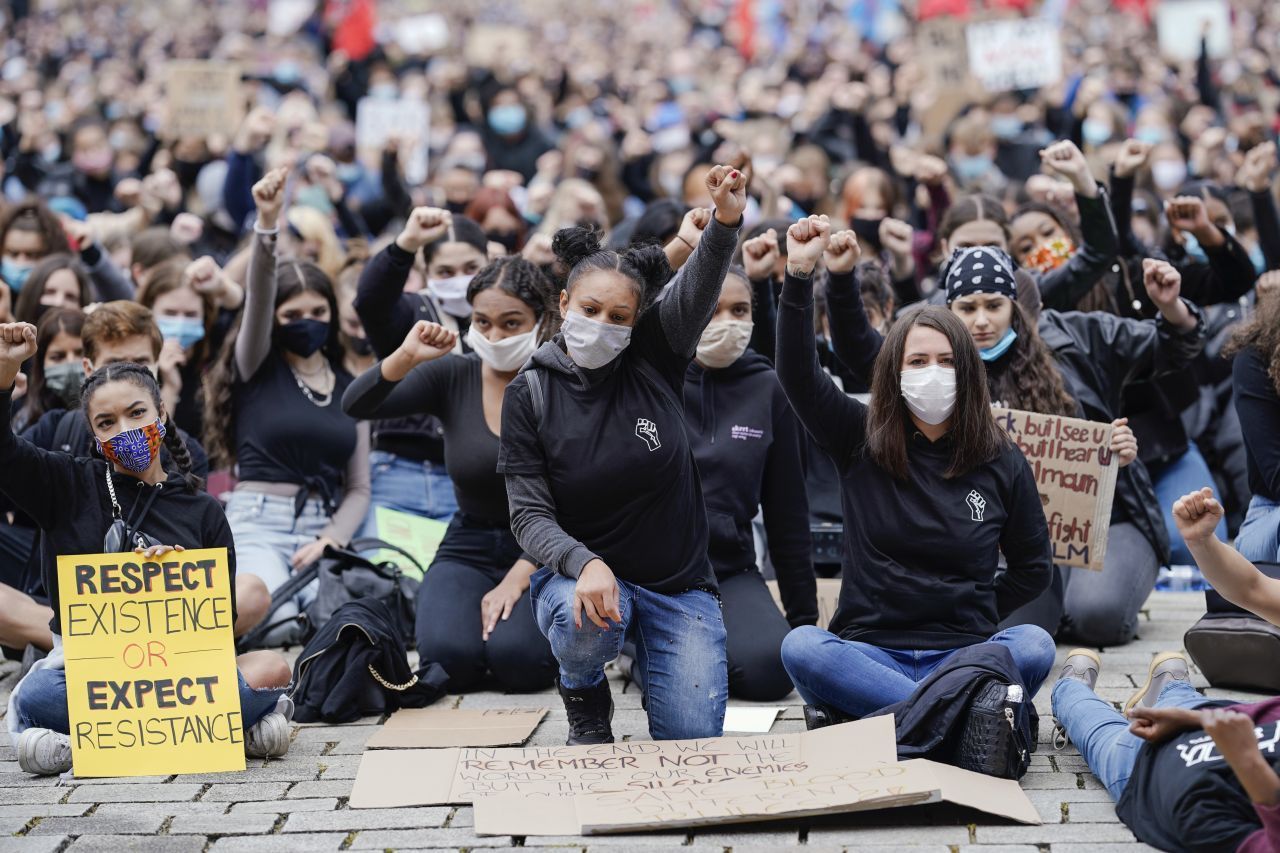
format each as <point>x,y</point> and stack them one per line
<point>1181,579</point>
<point>1015,694</point>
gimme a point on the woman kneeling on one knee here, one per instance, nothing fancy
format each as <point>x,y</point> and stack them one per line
<point>932,494</point>
<point>82,505</point>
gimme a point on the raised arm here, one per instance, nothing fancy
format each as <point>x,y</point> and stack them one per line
<point>404,383</point>
<point>836,422</point>
<point>855,343</point>
<point>691,298</point>
<point>380,298</point>
<point>1064,287</point>
<point>253,342</point>
<point>760,257</point>
<point>1257,176</point>
<point>1227,571</point>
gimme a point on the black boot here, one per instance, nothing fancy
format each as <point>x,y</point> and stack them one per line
<point>590,711</point>
<point>820,716</point>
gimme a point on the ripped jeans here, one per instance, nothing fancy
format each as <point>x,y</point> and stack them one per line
<point>680,647</point>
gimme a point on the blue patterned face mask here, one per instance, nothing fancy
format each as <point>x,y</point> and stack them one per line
<point>134,449</point>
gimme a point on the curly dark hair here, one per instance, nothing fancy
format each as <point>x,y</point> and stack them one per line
<point>1262,333</point>
<point>517,277</point>
<point>1030,380</point>
<point>141,376</point>
<point>580,250</point>
<point>292,278</point>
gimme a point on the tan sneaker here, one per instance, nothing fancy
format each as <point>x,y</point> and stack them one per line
<point>1166,667</point>
<point>1083,665</point>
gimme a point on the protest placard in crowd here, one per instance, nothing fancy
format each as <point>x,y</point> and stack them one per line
<point>406,120</point>
<point>1021,53</point>
<point>150,662</point>
<point>1181,26</point>
<point>203,98</point>
<point>1075,472</point>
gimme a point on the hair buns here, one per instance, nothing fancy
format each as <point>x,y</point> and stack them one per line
<point>575,244</point>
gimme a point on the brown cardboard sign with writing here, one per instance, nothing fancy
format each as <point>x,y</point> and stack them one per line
<point>1075,473</point>
<point>421,777</point>
<point>828,599</point>
<point>420,728</point>
<point>854,787</point>
<point>203,98</point>
<point>489,45</point>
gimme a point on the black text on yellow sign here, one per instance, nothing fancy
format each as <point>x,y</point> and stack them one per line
<point>151,668</point>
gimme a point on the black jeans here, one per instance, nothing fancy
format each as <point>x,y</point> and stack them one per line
<point>473,558</point>
<point>755,629</point>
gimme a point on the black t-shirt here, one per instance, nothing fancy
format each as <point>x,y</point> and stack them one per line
<point>615,455</point>
<point>1258,406</point>
<point>1184,796</point>
<point>450,388</point>
<point>282,437</point>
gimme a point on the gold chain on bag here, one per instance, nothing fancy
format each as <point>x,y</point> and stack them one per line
<point>389,685</point>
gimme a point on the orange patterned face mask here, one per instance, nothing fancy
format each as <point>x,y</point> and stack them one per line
<point>134,449</point>
<point>1049,256</point>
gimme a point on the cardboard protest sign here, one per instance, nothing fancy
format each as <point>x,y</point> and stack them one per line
<point>1018,53</point>
<point>489,45</point>
<point>749,720</point>
<point>1075,471</point>
<point>1181,24</point>
<point>407,120</point>
<point>421,777</point>
<point>941,51</point>
<point>828,598</point>
<point>422,33</point>
<point>853,787</point>
<point>420,537</point>
<point>411,728</point>
<point>203,97</point>
<point>151,665</point>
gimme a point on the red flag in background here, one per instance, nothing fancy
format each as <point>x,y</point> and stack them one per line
<point>942,8</point>
<point>745,18</point>
<point>352,22</point>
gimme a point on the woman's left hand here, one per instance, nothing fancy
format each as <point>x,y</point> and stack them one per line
<point>158,551</point>
<point>1124,444</point>
<point>309,553</point>
<point>497,605</point>
<point>728,188</point>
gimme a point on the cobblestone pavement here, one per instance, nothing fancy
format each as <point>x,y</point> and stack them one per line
<point>299,802</point>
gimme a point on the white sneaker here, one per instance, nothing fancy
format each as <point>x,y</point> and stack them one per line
<point>269,737</point>
<point>44,752</point>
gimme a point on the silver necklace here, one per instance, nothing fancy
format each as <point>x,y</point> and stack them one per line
<point>317,399</point>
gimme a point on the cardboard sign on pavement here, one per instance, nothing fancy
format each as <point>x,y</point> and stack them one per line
<point>425,777</point>
<point>749,720</point>
<point>421,728</point>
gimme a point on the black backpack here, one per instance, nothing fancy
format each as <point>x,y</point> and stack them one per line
<point>355,666</point>
<point>1234,648</point>
<point>344,575</point>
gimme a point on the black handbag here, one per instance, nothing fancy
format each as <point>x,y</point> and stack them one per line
<point>997,737</point>
<point>343,575</point>
<point>1232,647</point>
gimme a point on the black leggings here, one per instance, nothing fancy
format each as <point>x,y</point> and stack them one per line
<point>473,558</point>
<point>755,629</point>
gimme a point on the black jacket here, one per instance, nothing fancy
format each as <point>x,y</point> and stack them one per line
<point>66,497</point>
<point>927,721</point>
<point>746,442</point>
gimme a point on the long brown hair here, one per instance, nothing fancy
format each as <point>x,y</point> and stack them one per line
<point>975,438</point>
<point>1263,334</point>
<point>1031,380</point>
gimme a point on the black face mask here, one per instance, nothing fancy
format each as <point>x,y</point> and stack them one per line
<point>868,230</point>
<point>302,337</point>
<point>187,172</point>
<point>360,346</point>
<point>508,239</point>
<point>455,206</point>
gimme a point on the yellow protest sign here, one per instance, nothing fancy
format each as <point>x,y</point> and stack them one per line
<point>419,536</point>
<point>151,665</point>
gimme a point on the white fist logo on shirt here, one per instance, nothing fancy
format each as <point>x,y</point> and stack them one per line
<point>977,505</point>
<point>647,431</point>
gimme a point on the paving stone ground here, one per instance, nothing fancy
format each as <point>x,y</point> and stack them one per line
<point>299,802</point>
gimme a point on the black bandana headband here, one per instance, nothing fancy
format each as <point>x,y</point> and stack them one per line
<point>979,269</point>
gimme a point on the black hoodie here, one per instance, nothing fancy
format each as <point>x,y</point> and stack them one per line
<point>746,442</point>
<point>67,498</point>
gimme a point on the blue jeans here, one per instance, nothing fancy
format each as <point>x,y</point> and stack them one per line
<point>1102,735</point>
<point>680,646</point>
<point>1173,479</point>
<point>406,485</point>
<point>42,701</point>
<point>859,678</point>
<point>1259,536</point>
<point>267,534</point>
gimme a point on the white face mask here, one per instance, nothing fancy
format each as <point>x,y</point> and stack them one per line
<point>723,342</point>
<point>593,344</point>
<point>507,354</point>
<point>451,293</point>
<point>930,392</point>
